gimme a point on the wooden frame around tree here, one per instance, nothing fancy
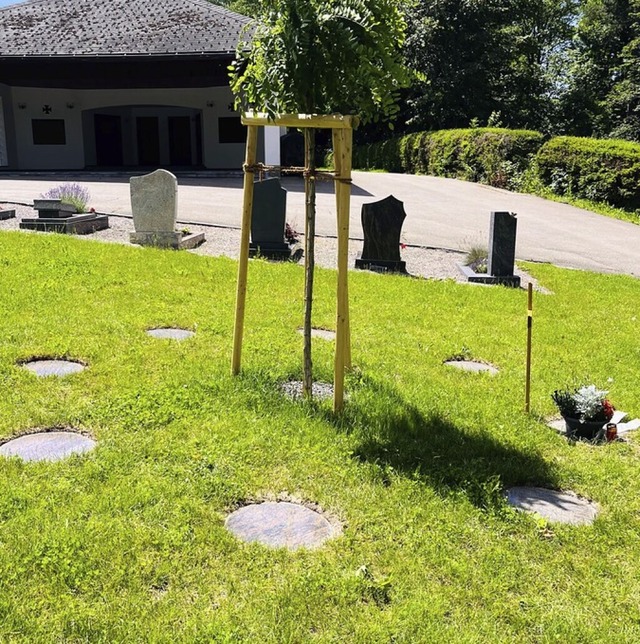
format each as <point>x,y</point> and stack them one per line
<point>342,137</point>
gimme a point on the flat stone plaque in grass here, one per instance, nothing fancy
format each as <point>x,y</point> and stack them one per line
<point>471,365</point>
<point>170,334</point>
<point>323,334</point>
<point>45,368</point>
<point>558,507</point>
<point>47,446</point>
<point>280,525</point>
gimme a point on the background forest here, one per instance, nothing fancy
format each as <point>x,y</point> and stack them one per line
<point>555,66</point>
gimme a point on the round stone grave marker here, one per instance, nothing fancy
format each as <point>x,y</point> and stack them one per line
<point>558,507</point>
<point>45,368</point>
<point>280,525</point>
<point>47,446</point>
<point>323,334</point>
<point>320,390</point>
<point>170,334</point>
<point>471,365</point>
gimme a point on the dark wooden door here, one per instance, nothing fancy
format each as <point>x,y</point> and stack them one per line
<point>148,140</point>
<point>180,140</point>
<point>108,130</point>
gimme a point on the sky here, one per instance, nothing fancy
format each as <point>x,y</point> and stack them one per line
<point>4,3</point>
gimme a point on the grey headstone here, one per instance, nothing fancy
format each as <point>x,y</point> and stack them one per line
<point>502,244</point>
<point>382,225</point>
<point>154,202</point>
<point>470,365</point>
<point>559,507</point>
<point>47,446</point>
<point>45,368</point>
<point>268,218</point>
<point>280,525</point>
<point>170,334</point>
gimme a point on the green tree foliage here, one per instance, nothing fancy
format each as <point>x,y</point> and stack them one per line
<point>479,57</point>
<point>323,57</point>
<point>604,93</point>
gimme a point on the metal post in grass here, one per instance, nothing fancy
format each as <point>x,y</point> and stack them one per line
<point>527,389</point>
<point>247,207</point>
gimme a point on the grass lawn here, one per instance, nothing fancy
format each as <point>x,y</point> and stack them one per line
<point>128,544</point>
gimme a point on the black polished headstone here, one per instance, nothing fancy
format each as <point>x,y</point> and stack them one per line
<point>7,214</point>
<point>292,149</point>
<point>268,220</point>
<point>502,244</point>
<point>382,225</point>
<point>501,255</point>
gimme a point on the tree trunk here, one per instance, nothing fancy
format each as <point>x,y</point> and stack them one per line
<point>309,254</point>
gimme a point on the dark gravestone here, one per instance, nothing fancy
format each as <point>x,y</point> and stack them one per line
<point>382,224</point>
<point>502,245</point>
<point>268,220</point>
<point>7,214</point>
<point>292,150</point>
<point>502,253</point>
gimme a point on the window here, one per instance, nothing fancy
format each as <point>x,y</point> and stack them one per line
<point>231,130</point>
<point>48,132</point>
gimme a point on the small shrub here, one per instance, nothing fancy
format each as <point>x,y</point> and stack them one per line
<point>70,193</point>
<point>477,259</point>
<point>495,156</point>
<point>605,171</point>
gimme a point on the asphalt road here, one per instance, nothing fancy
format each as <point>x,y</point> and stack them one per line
<point>441,213</point>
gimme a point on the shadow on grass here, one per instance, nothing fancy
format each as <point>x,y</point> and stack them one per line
<point>396,436</point>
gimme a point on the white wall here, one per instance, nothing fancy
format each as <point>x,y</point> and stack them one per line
<point>72,154</point>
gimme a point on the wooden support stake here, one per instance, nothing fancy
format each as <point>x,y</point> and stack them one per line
<point>342,144</point>
<point>247,208</point>
<point>527,391</point>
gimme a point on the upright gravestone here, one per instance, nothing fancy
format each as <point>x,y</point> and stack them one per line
<point>502,248</point>
<point>502,252</point>
<point>154,203</point>
<point>382,224</point>
<point>268,221</point>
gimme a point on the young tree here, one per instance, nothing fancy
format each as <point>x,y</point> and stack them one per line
<point>321,57</point>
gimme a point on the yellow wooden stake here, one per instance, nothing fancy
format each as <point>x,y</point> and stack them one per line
<point>247,208</point>
<point>342,143</point>
<point>527,388</point>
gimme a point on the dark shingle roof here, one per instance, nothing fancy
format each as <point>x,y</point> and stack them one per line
<point>63,28</point>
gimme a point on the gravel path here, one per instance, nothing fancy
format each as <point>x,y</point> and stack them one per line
<point>432,263</point>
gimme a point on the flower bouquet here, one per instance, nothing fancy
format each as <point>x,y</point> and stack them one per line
<point>585,410</point>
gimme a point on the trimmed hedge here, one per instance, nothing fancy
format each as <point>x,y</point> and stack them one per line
<point>494,156</point>
<point>597,169</point>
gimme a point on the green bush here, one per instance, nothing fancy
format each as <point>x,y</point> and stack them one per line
<point>494,156</point>
<point>600,170</point>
